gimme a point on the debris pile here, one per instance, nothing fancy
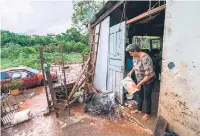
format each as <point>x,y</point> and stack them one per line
<point>169,132</point>
<point>130,104</point>
<point>101,103</point>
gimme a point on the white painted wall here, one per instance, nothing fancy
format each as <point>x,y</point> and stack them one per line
<point>180,86</point>
<point>102,59</point>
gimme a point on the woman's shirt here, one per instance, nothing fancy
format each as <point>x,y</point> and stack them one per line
<point>143,67</point>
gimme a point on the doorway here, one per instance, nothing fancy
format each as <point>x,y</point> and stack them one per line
<point>148,34</point>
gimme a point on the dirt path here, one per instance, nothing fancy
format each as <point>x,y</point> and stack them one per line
<point>79,124</point>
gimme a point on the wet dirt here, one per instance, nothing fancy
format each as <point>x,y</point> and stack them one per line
<point>78,124</point>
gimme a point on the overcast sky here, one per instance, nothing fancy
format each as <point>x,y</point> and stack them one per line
<point>36,17</point>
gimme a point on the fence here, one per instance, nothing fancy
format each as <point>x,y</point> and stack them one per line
<point>67,74</point>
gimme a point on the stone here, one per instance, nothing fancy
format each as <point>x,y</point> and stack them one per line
<point>92,124</point>
<point>64,125</point>
<point>60,122</point>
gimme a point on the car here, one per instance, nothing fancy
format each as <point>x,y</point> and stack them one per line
<point>31,77</point>
<point>4,77</point>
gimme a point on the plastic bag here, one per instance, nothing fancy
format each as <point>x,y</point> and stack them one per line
<point>129,85</point>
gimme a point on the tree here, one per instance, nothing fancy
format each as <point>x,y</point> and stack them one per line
<point>79,47</point>
<point>68,47</point>
<point>84,11</point>
<point>11,51</point>
<point>85,39</point>
<point>73,34</point>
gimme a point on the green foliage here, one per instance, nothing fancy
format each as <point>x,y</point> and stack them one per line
<point>79,47</point>
<point>23,50</point>
<point>86,50</point>
<point>144,41</point>
<point>84,11</point>
<point>71,35</point>
<point>11,51</point>
<point>15,84</point>
<point>68,47</point>
<point>29,50</point>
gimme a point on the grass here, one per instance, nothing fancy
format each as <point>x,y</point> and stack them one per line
<point>33,60</point>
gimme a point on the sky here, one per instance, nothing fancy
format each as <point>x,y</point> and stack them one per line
<point>33,17</point>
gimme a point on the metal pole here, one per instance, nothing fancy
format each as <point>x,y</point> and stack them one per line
<point>48,101</point>
<point>63,69</point>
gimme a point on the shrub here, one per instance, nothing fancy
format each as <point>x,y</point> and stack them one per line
<point>79,47</point>
<point>15,84</point>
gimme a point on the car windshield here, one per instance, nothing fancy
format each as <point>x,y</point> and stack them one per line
<point>4,75</point>
<point>35,71</point>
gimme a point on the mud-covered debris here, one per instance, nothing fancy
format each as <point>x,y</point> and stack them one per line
<point>64,125</point>
<point>76,119</point>
<point>101,103</point>
<point>169,132</point>
<point>130,104</point>
<point>32,94</point>
<point>46,112</point>
<point>92,124</point>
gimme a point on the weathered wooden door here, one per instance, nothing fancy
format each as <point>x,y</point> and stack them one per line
<point>116,60</point>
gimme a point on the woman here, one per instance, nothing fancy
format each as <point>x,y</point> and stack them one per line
<point>143,68</point>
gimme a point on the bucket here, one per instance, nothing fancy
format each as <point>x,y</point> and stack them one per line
<point>129,85</point>
<point>129,96</point>
<point>15,92</point>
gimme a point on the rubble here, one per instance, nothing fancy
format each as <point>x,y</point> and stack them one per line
<point>32,94</point>
<point>101,103</point>
<point>64,125</point>
<point>130,104</point>
<point>169,133</point>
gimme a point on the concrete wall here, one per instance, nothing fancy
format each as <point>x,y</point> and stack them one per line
<point>180,82</point>
<point>102,55</point>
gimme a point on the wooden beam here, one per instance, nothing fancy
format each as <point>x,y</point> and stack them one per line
<point>146,14</point>
<point>107,13</point>
<point>79,78</point>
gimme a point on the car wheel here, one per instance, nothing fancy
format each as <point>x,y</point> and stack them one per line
<point>42,82</point>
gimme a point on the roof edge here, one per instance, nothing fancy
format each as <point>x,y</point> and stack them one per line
<point>108,5</point>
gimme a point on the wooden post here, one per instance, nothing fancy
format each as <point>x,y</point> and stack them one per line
<point>146,14</point>
<point>46,92</point>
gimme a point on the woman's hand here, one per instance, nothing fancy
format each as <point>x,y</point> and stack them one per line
<point>139,86</point>
<point>129,74</point>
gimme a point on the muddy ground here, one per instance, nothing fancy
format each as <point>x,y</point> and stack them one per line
<point>78,124</point>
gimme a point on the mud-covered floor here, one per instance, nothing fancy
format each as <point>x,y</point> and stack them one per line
<point>78,124</point>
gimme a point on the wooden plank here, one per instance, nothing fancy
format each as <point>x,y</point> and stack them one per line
<point>161,126</point>
<point>73,91</point>
<point>75,86</point>
<point>146,14</point>
<point>107,13</point>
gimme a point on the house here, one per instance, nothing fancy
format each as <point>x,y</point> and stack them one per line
<point>52,35</point>
<point>170,28</point>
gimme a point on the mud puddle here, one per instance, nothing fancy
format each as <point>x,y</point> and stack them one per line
<point>78,124</point>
